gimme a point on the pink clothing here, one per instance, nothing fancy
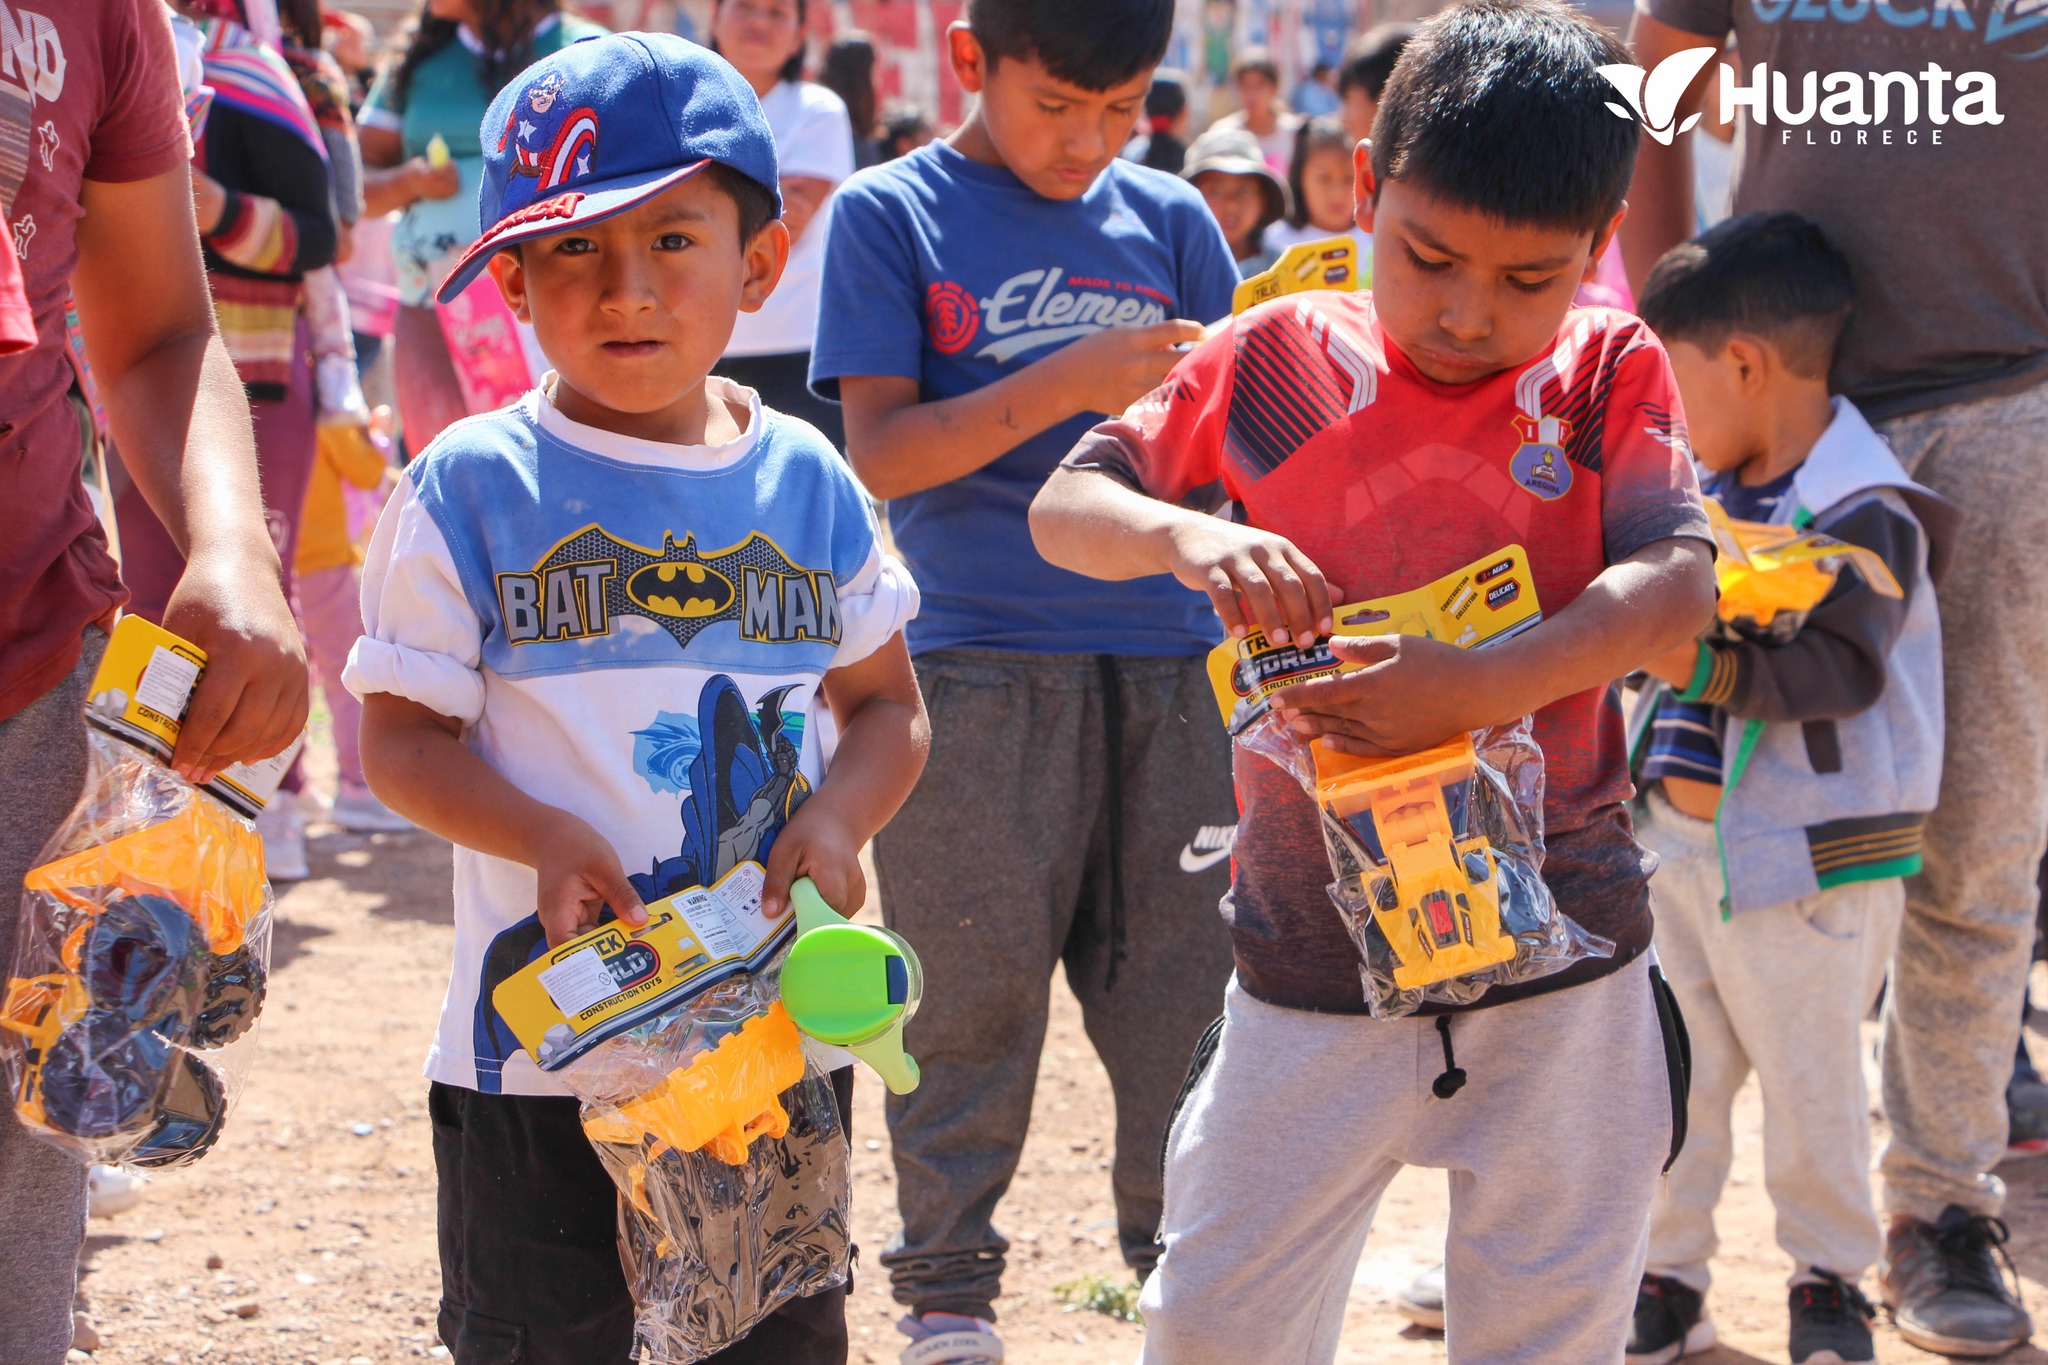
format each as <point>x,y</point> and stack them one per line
<point>331,618</point>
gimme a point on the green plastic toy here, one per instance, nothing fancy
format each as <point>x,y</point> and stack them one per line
<point>853,986</point>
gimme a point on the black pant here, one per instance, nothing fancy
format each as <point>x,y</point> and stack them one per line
<point>784,383</point>
<point>530,1270</point>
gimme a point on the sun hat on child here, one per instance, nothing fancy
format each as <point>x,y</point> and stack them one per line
<point>603,125</point>
<point>1233,151</point>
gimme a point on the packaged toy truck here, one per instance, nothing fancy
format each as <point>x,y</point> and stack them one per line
<point>1770,577</point>
<point>144,943</point>
<point>702,1101</point>
<point>1438,854</point>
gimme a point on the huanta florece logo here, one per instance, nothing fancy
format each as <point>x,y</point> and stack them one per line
<point>1866,102</point>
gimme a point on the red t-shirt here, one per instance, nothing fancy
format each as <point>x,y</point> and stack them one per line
<point>88,91</point>
<point>1309,419</point>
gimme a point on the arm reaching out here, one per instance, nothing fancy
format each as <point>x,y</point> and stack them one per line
<point>1095,524</point>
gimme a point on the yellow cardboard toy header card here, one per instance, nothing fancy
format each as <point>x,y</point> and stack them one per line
<point>1489,600</point>
<point>604,982</point>
<point>1329,264</point>
<point>1763,570</point>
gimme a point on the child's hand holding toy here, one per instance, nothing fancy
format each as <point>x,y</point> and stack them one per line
<point>1253,578</point>
<point>819,844</point>
<point>579,875</point>
<point>1404,694</point>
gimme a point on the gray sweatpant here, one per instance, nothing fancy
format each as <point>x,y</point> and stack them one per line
<point>1952,1014</point>
<point>42,1189</point>
<point>1784,991</point>
<point>1048,828</point>
<point>1279,1159</point>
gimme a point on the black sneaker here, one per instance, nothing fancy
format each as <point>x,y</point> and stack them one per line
<point>1943,1283</point>
<point>1669,1322</point>
<point>1831,1322</point>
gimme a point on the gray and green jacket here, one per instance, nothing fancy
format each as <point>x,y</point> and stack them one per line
<point>1831,741</point>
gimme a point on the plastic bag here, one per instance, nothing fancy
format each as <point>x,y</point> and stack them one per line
<point>1438,859</point>
<point>1438,856</point>
<point>142,952</point>
<point>711,1245</point>
<point>698,1095</point>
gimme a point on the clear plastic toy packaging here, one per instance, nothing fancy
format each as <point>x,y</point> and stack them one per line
<point>684,1042</point>
<point>1438,855</point>
<point>143,949</point>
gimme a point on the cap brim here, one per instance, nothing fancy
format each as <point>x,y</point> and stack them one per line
<point>588,203</point>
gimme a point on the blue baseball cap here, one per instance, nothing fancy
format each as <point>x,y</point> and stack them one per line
<point>605,124</point>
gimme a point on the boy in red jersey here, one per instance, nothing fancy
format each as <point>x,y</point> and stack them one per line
<point>1365,444</point>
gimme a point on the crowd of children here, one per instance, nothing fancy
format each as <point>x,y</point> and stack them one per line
<point>1093,473</point>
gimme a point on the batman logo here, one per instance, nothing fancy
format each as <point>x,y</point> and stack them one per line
<point>592,579</point>
<point>686,591</point>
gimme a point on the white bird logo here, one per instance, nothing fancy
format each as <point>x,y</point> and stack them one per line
<point>1653,96</point>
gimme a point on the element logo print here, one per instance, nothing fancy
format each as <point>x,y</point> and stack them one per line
<point>952,316</point>
<point>1653,96</point>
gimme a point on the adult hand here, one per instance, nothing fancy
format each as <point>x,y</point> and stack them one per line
<point>1115,367</point>
<point>424,180</point>
<point>251,701</point>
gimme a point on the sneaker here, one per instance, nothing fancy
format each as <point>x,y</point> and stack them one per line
<point>1831,1322</point>
<point>341,392</point>
<point>284,842</point>
<point>950,1339</point>
<point>1422,1302</point>
<point>1670,1322</point>
<point>2026,1107</point>
<point>114,1189</point>
<point>358,811</point>
<point>1943,1283</point>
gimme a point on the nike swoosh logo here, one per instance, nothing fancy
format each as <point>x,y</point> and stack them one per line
<point>1191,861</point>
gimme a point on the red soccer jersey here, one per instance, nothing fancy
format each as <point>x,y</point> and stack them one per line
<point>1309,419</point>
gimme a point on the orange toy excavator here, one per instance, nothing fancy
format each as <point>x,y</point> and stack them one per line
<point>1439,905</point>
<point>723,1100</point>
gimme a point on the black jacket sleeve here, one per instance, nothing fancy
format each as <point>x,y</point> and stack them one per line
<point>250,156</point>
<point>1835,666</point>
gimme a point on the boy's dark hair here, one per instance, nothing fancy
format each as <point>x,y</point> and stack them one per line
<point>751,197</point>
<point>1371,59</point>
<point>1095,44</point>
<point>1770,274</point>
<point>1255,61</point>
<point>1498,106</point>
<point>1167,97</point>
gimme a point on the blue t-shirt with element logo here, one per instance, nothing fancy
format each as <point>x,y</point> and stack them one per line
<point>955,274</point>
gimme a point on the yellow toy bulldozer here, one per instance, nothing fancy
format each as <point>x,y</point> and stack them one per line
<point>1439,906</point>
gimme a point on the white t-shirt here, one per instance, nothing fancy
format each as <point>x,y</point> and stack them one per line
<point>632,631</point>
<point>814,138</point>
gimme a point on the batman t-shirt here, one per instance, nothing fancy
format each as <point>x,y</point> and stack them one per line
<point>634,632</point>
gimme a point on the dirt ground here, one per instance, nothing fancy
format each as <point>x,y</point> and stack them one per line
<point>307,1236</point>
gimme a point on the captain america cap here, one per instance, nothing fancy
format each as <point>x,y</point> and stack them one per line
<point>602,125</point>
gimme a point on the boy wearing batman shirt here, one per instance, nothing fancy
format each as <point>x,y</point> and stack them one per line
<point>603,630</point>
